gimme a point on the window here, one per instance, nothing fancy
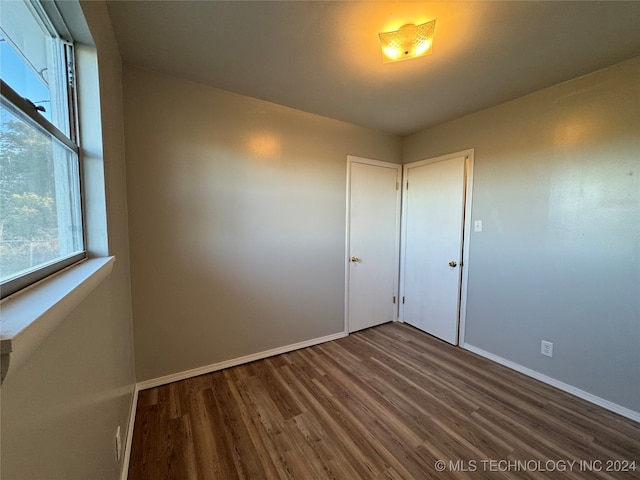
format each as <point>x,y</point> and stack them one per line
<point>41,228</point>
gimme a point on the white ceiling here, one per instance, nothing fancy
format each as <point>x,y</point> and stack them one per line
<point>324,57</point>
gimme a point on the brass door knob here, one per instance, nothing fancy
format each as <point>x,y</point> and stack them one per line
<point>452,263</point>
<point>355,259</point>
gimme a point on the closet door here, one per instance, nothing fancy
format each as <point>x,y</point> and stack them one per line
<point>373,230</point>
<point>433,224</point>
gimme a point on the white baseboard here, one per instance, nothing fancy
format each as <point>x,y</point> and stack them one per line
<point>127,445</point>
<point>174,377</point>
<point>601,402</point>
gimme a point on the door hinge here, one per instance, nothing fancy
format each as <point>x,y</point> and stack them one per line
<point>397,185</point>
<point>407,185</point>
<point>403,300</point>
<point>394,299</point>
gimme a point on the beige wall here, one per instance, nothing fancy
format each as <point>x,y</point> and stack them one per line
<point>237,221</point>
<point>557,185</point>
<point>61,408</point>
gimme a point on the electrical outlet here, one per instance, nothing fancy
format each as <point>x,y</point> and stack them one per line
<point>118,444</point>
<point>546,348</point>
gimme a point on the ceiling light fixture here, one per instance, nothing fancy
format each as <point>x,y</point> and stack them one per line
<point>410,41</point>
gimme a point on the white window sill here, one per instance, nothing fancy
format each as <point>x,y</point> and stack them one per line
<point>29,316</point>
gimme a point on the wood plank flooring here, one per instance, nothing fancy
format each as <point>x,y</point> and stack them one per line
<point>385,403</point>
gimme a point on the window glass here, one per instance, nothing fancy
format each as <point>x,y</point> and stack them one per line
<point>39,198</point>
<point>32,60</point>
<point>22,78</point>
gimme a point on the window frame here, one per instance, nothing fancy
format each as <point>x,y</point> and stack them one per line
<point>24,109</point>
<point>30,316</point>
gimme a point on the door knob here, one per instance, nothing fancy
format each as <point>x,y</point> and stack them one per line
<point>452,263</point>
<point>355,259</point>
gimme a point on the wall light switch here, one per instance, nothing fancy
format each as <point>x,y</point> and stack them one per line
<point>477,226</point>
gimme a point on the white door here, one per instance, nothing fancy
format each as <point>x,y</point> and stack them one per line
<point>433,223</point>
<point>373,227</point>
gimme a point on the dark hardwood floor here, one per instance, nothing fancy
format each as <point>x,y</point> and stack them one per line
<point>388,402</point>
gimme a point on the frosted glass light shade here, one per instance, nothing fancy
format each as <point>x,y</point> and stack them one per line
<point>410,41</point>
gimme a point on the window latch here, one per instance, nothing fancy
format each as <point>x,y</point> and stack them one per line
<point>38,108</point>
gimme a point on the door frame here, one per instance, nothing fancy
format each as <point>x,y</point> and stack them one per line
<point>466,232</point>
<point>351,159</point>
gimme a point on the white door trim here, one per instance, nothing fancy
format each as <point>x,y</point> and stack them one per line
<point>468,154</point>
<point>347,270</point>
